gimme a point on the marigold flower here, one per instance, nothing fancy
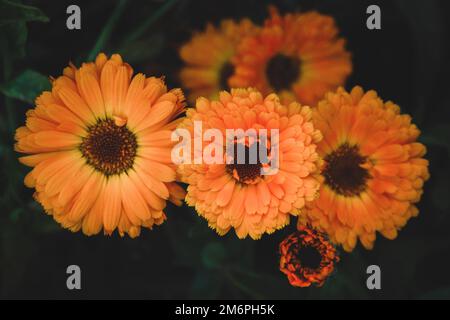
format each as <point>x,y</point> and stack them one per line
<point>208,57</point>
<point>307,257</point>
<point>373,170</point>
<point>231,195</point>
<point>99,144</point>
<point>298,56</point>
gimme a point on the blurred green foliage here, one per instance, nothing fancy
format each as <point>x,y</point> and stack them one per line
<point>405,62</point>
<point>26,86</point>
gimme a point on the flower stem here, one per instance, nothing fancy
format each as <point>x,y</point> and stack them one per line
<point>107,30</point>
<point>136,34</point>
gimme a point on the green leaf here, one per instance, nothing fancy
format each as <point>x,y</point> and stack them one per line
<point>26,87</point>
<point>12,12</point>
<point>13,28</point>
<point>13,38</point>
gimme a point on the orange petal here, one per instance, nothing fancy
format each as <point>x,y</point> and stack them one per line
<point>121,83</point>
<point>224,196</point>
<point>76,104</point>
<point>251,200</point>
<point>133,203</point>
<point>93,221</point>
<point>90,91</point>
<point>56,140</point>
<point>112,204</point>
<point>86,197</point>
<point>158,113</point>
<point>157,170</point>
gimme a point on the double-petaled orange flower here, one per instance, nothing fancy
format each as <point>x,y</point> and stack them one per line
<point>99,144</point>
<point>307,257</point>
<point>373,170</point>
<point>208,57</point>
<point>299,56</point>
<point>236,195</point>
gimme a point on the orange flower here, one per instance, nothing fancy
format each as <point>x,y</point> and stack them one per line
<point>299,56</point>
<point>374,169</point>
<point>99,145</point>
<point>236,195</point>
<point>307,257</point>
<point>208,57</point>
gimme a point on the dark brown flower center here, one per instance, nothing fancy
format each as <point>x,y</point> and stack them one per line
<point>309,257</point>
<point>109,148</point>
<point>225,73</point>
<point>343,171</point>
<point>283,71</point>
<point>244,169</point>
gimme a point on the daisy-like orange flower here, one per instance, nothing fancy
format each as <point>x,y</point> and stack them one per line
<point>307,257</point>
<point>99,144</point>
<point>298,56</point>
<point>208,57</point>
<point>237,195</point>
<point>373,170</point>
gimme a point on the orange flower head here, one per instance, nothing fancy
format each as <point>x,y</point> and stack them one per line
<point>298,56</point>
<point>307,257</point>
<point>232,194</point>
<point>373,170</point>
<point>99,145</point>
<point>208,57</point>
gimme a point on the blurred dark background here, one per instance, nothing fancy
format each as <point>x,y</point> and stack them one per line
<point>406,61</point>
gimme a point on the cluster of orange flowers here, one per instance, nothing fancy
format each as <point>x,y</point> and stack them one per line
<point>297,56</point>
<point>100,144</point>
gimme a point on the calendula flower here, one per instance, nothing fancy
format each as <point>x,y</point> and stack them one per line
<point>239,195</point>
<point>307,257</point>
<point>373,170</point>
<point>99,144</point>
<point>208,57</point>
<point>299,56</point>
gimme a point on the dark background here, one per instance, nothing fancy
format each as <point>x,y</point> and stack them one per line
<point>406,61</point>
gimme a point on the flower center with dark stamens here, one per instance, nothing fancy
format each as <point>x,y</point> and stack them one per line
<point>109,148</point>
<point>343,172</point>
<point>244,170</point>
<point>309,257</point>
<point>225,73</point>
<point>283,71</point>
